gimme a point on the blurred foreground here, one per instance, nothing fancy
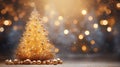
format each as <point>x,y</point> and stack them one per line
<point>72,64</point>
<point>87,60</point>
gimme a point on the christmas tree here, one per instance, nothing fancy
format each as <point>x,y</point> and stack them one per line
<point>34,44</point>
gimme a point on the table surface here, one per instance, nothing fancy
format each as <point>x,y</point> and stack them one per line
<point>72,64</point>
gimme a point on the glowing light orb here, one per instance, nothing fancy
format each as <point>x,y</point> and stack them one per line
<point>57,23</point>
<point>15,27</point>
<point>84,48</point>
<point>60,18</point>
<point>3,11</point>
<point>92,42</point>
<point>95,49</point>
<point>95,25</point>
<point>75,21</point>
<point>87,32</point>
<point>16,18</point>
<point>104,22</point>
<point>84,12</point>
<point>118,5</point>
<point>52,12</point>
<point>7,22</point>
<point>32,4</point>
<point>109,29</point>
<point>80,36</point>
<point>108,11</point>
<point>90,18</point>
<point>47,7</point>
<point>45,19</point>
<point>66,31</point>
<point>56,50</point>
<point>1,29</point>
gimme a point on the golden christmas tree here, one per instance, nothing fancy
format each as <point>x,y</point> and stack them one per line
<point>34,44</point>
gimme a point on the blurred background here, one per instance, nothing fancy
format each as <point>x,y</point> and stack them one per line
<point>81,29</point>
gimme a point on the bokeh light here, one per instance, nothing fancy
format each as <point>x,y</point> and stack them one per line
<point>87,32</point>
<point>16,18</point>
<point>3,11</point>
<point>1,29</point>
<point>108,11</point>
<point>45,19</point>
<point>84,48</point>
<point>104,22</point>
<point>75,21</point>
<point>92,42</point>
<point>66,31</point>
<point>95,49</point>
<point>84,12</point>
<point>56,50</point>
<point>46,7</point>
<point>15,27</point>
<point>118,5</point>
<point>52,13</point>
<point>81,36</point>
<point>56,23</point>
<point>90,18</point>
<point>21,15</point>
<point>60,18</point>
<point>95,25</point>
<point>32,4</point>
<point>7,22</point>
<point>109,29</point>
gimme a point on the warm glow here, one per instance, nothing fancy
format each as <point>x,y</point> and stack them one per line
<point>95,25</point>
<point>32,4</point>
<point>95,49</point>
<point>15,27</point>
<point>3,11</point>
<point>47,7</point>
<point>16,18</point>
<point>118,5</point>
<point>7,22</point>
<point>87,32</point>
<point>34,44</point>
<point>1,29</point>
<point>45,19</point>
<point>56,50</point>
<point>21,15</point>
<point>80,36</point>
<point>66,31</point>
<point>90,18</point>
<point>75,21</point>
<point>104,22</point>
<point>108,11</point>
<point>57,23</point>
<point>74,48</point>
<point>52,12</point>
<point>60,18</point>
<point>84,12</point>
<point>109,29</point>
<point>84,48</point>
<point>92,42</point>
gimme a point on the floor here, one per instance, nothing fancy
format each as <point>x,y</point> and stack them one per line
<point>72,64</point>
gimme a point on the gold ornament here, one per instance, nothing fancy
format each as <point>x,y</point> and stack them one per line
<point>27,61</point>
<point>16,61</point>
<point>38,62</point>
<point>55,62</point>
